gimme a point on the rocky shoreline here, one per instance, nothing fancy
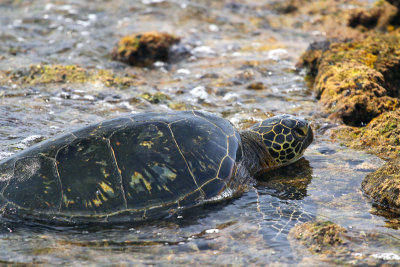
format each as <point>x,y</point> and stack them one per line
<point>356,80</point>
<point>355,75</point>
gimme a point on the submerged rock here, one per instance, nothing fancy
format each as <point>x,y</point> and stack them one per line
<point>337,246</point>
<point>383,186</point>
<point>320,237</point>
<point>144,49</point>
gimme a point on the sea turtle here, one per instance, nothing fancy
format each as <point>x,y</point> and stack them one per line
<point>145,166</point>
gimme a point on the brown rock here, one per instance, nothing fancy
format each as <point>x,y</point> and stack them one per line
<point>356,81</point>
<point>320,237</point>
<point>144,49</point>
<point>256,86</point>
<point>380,16</point>
<point>381,136</point>
<point>383,186</point>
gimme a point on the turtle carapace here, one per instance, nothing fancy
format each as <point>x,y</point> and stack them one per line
<point>145,166</point>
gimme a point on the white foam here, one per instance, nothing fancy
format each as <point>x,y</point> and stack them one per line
<point>386,256</point>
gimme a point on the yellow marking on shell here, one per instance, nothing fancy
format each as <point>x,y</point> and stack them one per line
<point>102,162</point>
<point>105,174</point>
<point>147,144</point>
<point>106,188</point>
<point>163,171</point>
<point>167,189</point>
<point>137,175</point>
<point>160,134</point>
<point>198,140</point>
<point>67,201</point>
<point>169,174</point>
<point>147,184</point>
<point>97,202</point>
<point>136,178</point>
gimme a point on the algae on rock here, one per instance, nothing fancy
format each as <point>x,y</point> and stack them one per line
<point>383,186</point>
<point>144,49</point>
<point>47,74</point>
<point>356,81</point>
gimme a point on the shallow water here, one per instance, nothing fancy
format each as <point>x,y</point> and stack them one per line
<point>232,45</point>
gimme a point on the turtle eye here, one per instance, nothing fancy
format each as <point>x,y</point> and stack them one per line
<point>299,132</point>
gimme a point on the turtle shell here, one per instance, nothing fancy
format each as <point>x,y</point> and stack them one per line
<point>140,167</point>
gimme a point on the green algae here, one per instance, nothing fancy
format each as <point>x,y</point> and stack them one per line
<point>320,236</point>
<point>381,136</point>
<point>383,186</point>
<point>49,74</point>
<point>156,98</point>
<point>144,49</point>
<point>356,81</point>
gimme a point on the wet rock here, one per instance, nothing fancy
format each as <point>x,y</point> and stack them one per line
<point>287,7</point>
<point>356,81</point>
<point>49,74</point>
<point>256,86</point>
<point>337,246</point>
<point>156,98</point>
<point>322,17</point>
<point>381,16</point>
<point>396,19</point>
<point>144,49</point>
<point>383,186</point>
<point>381,136</point>
<point>310,59</point>
<point>320,237</point>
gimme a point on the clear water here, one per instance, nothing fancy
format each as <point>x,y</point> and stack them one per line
<point>233,45</point>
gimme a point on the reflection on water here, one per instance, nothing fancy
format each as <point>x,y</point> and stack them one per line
<point>232,47</point>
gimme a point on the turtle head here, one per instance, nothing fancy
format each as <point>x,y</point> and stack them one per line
<point>284,138</point>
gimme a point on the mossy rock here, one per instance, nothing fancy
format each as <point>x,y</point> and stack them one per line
<point>321,237</point>
<point>49,74</point>
<point>381,16</point>
<point>356,81</point>
<point>381,136</point>
<point>383,185</point>
<point>256,86</point>
<point>310,59</point>
<point>144,49</point>
<point>156,98</point>
<point>287,7</point>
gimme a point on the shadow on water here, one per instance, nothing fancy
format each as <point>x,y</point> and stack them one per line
<point>288,183</point>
